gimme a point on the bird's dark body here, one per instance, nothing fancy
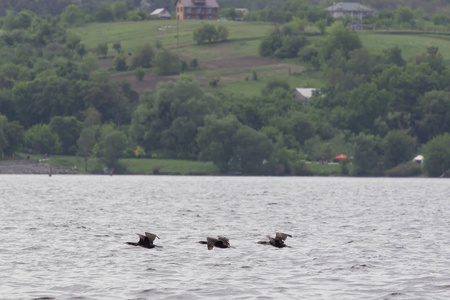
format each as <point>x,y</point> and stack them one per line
<point>277,241</point>
<point>219,242</point>
<point>145,241</point>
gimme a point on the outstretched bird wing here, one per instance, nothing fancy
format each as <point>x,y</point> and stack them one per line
<point>211,242</point>
<point>282,236</point>
<point>151,236</point>
<point>141,237</point>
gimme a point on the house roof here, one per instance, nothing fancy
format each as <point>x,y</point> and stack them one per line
<point>348,6</point>
<point>208,3</point>
<point>159,11</point>
<point>305,92</point>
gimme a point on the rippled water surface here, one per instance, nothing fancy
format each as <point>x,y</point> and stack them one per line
<point>63,237</point>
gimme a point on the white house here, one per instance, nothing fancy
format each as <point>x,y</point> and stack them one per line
<point>354,10</point>
<point>418,159</point>
<point>162,13</point>
<point>303,94</point>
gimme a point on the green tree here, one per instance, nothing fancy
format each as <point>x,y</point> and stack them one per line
<point>104,13</point>
<point>193,63</point>
<point>215,140</point>
<point>274,84</point>
<point>112,145</point>
<point>302,127</point>
<point>117,46</point>
<point>45,97</point>
<point>435,115</point>
<point>340,38</point>
<point>86,143</point>
<point>167,120</point>
<point>40,139</point>
<point>166,62</point>
<point>11,136</point>
<point>322,26</point>
<point>205,33</point>
<point>365,157</point>
<point>251,149</point>
<point>222,33</point>
<point>3,140</point>
<point>68,130</point>
<point>143,57</point>
<point>364,105</point>
<point>290,46</point>
<point>120,9</point>
<point>120,62</point>
<point>72,41</point>
<point>437,155</point>
<point>398,148</point>
<point>139,73</point>
<point>81,50</point>
<point>404,16</point>
<point>102,49</point>
<point>90,63</point>
<point>72,15</point>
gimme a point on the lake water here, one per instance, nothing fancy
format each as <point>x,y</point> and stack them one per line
<point>62,237</point>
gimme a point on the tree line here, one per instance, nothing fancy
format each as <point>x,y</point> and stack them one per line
<point>378,108</point>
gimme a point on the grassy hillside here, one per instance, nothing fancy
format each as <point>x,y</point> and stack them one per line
<point>135,34</point>
<point>235,61</point>
<point>411,43</point>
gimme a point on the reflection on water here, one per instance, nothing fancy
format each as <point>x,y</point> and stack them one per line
<point>63,237</point>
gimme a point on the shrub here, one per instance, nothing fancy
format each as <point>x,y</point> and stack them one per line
<point>167,62</point>
<point>143,57</point>
<point>214,82</point>
<point>194,63</point>
<point>410,168</point>
<point>120,62</point>
<point>139,73</point>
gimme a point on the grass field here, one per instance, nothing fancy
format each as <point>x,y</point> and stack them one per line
<point>234,61</point>
<point>134,165</point>
<point>169,166</point>
<point>146,166</point>
<point>134,34</point>
<point>410,43</point>
<point>325,169</point>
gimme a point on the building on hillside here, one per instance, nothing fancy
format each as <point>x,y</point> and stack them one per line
<point>350,9</point>
<point>303,94</point>
<point>197,9</point>
<point>161,13</point>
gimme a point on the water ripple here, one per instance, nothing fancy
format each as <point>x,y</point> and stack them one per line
<point>360,238</point>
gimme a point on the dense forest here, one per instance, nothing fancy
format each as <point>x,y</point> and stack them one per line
<point>380,108</point>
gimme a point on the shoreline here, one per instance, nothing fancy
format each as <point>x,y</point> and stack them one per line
<point>30,166</point>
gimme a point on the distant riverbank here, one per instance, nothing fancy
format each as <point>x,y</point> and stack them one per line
<point>30,166</point>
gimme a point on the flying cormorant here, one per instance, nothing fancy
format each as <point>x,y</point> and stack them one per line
<point>277,241</point>
<point>145,241</point>
<point>220,242</point>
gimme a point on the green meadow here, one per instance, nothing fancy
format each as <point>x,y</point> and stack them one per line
<point>411,43</point>
<point>144,166</point>
<point>134,34</point>
<point>244,39</point>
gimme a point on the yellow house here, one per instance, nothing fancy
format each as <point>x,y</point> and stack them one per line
<point>197,9</point>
